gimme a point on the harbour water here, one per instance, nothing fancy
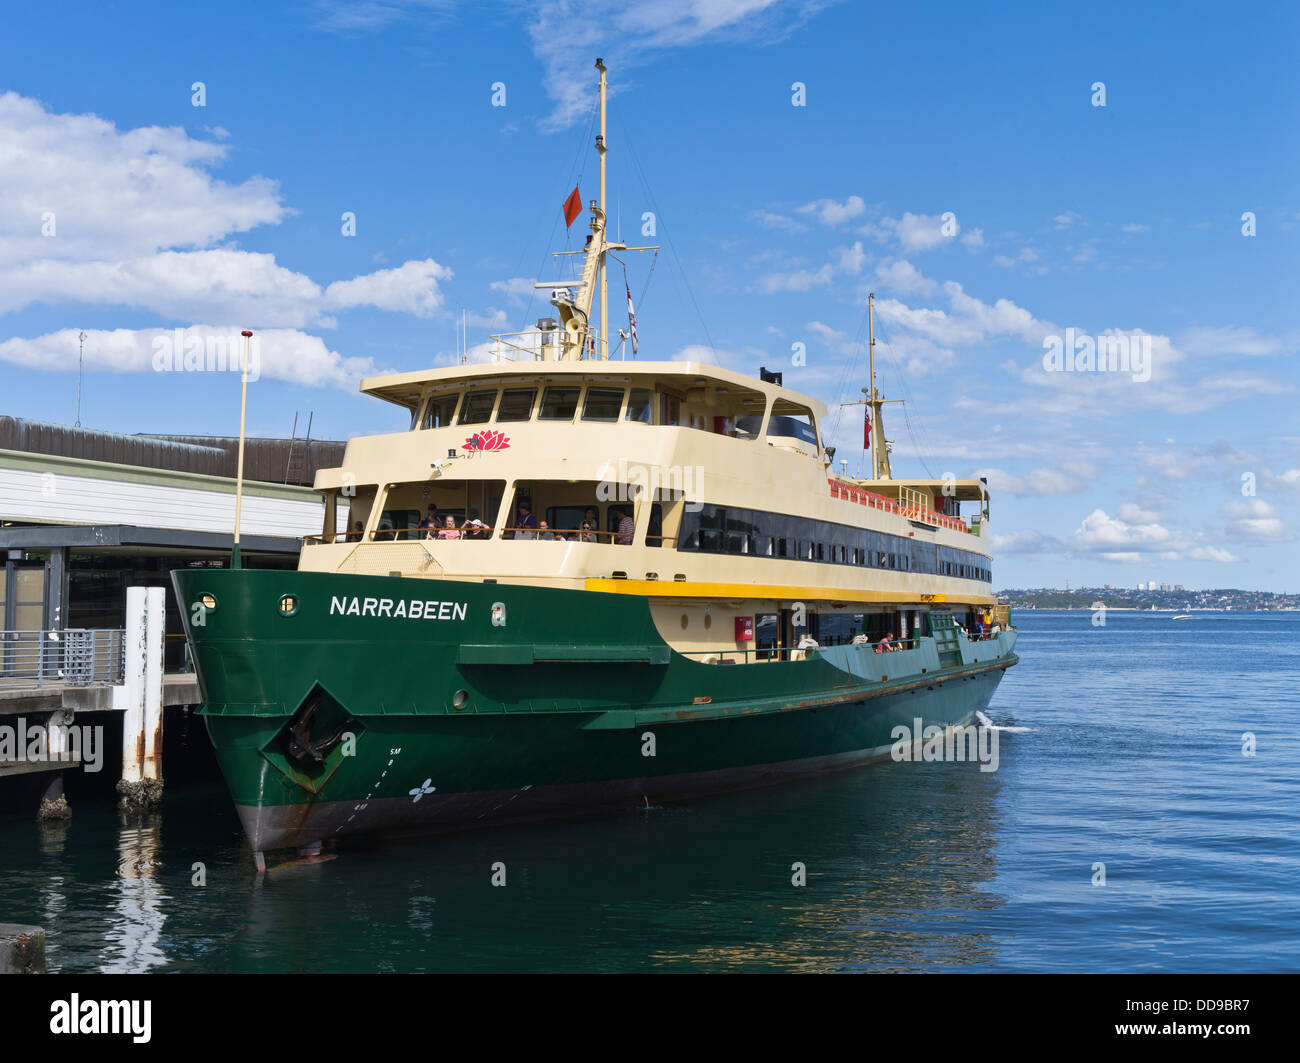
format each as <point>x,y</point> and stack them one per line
<point>1133,760</point>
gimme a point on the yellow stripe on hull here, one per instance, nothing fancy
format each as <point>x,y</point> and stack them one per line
<point>663,589</point>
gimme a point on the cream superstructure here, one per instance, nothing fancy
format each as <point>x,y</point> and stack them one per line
<point>733,500</point>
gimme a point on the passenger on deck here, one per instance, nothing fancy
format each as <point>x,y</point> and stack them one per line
<point>449,530</point>
<point>885,644</point>
<point>431,522</point>
<point>587,536</point>
<point>526,522</point>
<point>358,532</point>
<point>590,516</point>
<point>474,528</point>
<point>625,528</point>
<point>544,532</point>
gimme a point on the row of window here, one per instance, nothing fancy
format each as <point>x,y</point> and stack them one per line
<point>559,402</point>
<point>732,530</point>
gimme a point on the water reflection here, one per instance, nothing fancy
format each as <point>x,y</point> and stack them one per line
<point>135,931</point>
<point>898,862</point>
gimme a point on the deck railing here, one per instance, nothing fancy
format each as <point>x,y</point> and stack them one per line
<point>852,493</point>
<point>72,657</point>
<point>568,535</point>
<point>727,655</point>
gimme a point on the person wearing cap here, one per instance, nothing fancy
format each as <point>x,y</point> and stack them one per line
<point>474,528</point>
<point>526,523</point>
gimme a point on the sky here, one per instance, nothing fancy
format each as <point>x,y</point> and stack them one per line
<point>1018,185</point>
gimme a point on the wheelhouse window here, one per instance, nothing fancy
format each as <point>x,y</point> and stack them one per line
<point>439,410</point>
<point>477,407</point>
<point>640,406</point>
<point>559,403</point>
<point>602,404</point>
<point>793,426</point>
<point>517,404</point>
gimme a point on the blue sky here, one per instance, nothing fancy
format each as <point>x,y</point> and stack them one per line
<point>1123,220</point>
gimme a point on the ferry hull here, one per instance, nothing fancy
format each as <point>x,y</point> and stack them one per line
<point>521,703</point>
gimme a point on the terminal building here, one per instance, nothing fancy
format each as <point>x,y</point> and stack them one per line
<point>86,514</point>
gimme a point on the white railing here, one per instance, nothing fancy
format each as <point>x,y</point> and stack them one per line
<point>73,657</point>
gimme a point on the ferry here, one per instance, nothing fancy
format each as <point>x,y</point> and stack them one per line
<point>579,583</point>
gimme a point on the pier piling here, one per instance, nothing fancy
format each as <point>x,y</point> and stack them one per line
<point>141,786</point>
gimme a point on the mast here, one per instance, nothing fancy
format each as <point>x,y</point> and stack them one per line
<point>574,304</point>
<point>604,269</point>
<point>880,469</point>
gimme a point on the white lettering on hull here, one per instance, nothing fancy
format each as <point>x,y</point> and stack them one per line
<point>399,609</point>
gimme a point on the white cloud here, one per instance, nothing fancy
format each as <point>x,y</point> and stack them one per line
<point>283,354</point>
<point>799,280</point>
<point>1255,520</point>
<point>1066,219</point>
<point>135,217</point>
<point>769,220</point>
<point>1038,482</point>
<point>115,194</point>
<point>1131,513</point>
<point>517,290</point>
<point>1210,553</point>
<point>411,288</point>
<point>565,34</point>
<point>851,259</point>
<point>832,213</point>
<point>974,238</point>
<point>1133,227</point>
<point>224,285</point>
<point>1230,340</point>
<point>354,17</point>
<point>1024,541</point>
<point>921,232</point>
<point>903,277</point>
<point>1102,532</point>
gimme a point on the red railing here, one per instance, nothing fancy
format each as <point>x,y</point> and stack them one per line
<point>851,493</point>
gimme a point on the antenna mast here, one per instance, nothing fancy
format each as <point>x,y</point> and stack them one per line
<point>880,468</point>
<point>604,269</point>
<point>81,355</point>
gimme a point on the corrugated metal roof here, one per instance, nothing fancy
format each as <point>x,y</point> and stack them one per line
<point>270,460</point>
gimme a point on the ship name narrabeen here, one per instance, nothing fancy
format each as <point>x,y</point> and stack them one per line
<point>415,609</point>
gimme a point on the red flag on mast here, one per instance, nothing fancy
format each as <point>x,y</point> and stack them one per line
<point>572,207</point>
<point>866,428</point>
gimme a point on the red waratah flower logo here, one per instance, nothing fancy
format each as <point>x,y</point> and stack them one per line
<point>487,441</point>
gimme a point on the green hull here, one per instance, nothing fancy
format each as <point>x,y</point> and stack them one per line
<point>352,716</point>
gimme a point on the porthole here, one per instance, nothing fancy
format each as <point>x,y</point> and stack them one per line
<point>459,698</point>
<point>208,601</point>
<point>288,604</point>
<point>686,620</point>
